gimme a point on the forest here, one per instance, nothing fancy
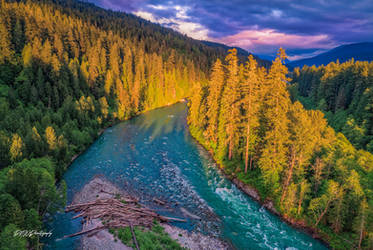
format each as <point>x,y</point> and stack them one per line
<point>67,72</point>
<point>343,91</point>
<point>70,69</point>
<point>244,115</point>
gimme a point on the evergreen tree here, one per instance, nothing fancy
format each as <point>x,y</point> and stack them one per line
<point>6,51</point>
<point>274,155</point>
<point>252,101</point>
<point>216,85</point>
<point>231,103</point>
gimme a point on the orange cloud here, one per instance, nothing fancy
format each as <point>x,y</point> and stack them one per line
<point>257,40</point>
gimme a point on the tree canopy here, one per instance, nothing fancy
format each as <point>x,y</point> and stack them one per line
<point>313,174</point>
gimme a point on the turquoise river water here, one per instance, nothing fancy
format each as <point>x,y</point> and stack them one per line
<point>153,155</point>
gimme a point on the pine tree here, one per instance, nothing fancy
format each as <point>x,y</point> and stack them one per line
<point>104,107</point>
<point>114,60</point>
<point>317,167</point>
<point>46,52</point>
<point>108,82</point>
<point>194,117</point>
<point>231,103</point>
<point>216,84</point>
<point>18,37</point>
<point>94,64</point>
<point>303,141</point>
<point>274,155</point>
<point>319,206</point>
<point>251,100</point>
<point>137,90</point>
<point>360,223</point>
<point>6,52</point>
<point>27,55</point>
<point>304,188</point>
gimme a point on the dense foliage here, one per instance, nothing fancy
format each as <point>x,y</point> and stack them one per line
<point>67,70</point>
<point>344,92</point>
<point>154,239</point>
<point>314,176</point>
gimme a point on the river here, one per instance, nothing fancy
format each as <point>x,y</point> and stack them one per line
<point>153,155</point>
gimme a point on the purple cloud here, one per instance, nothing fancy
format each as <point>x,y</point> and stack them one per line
<point>261,26</point>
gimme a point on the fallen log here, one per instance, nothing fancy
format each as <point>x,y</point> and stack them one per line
<point>164,218</point>
<point>115,214</point>
<point>159,202</point>
<point>78,215</point>
<point>84,232</point>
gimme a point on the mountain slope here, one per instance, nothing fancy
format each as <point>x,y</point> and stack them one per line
<point>241,53</point>
<point>69,69</point>
<point>358,51</point>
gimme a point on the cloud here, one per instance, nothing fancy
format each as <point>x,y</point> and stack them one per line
<point>120,5</point>
<point>180,21</point>
<point>262,41</point>
<point>261,26</point>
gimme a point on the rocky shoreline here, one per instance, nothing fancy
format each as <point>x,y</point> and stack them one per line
<point>247,189</point>
<point>267,204</point>
<point>99,187</point>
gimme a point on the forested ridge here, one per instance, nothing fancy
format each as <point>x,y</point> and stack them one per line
<point>314,176</point>
<point>67,70</point>
<point>344,92</point>
<point>358,51</point>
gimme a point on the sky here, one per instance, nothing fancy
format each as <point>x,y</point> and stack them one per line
<point>304,28</point>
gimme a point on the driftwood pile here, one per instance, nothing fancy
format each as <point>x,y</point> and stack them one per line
<point>116,213</point>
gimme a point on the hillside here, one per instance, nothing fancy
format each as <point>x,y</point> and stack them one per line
<point>358,51</point>
<point>344,92</point>
<point>67,70</point>
<point>241,53</point>
<point>314,177</point>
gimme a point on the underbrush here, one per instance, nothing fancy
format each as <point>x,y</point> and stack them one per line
<point>148,239</point>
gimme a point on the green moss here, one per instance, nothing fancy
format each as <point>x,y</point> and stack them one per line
<point>153,239</point>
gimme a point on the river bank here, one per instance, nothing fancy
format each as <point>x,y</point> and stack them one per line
<point>100,188</point>
<point>265,203</point>
<point>154,156</point>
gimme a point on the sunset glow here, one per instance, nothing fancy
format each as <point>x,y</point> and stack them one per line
<point>261,28</point>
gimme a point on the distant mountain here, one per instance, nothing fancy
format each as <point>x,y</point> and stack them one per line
<point>358,51</point>
<point>242,54</point>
